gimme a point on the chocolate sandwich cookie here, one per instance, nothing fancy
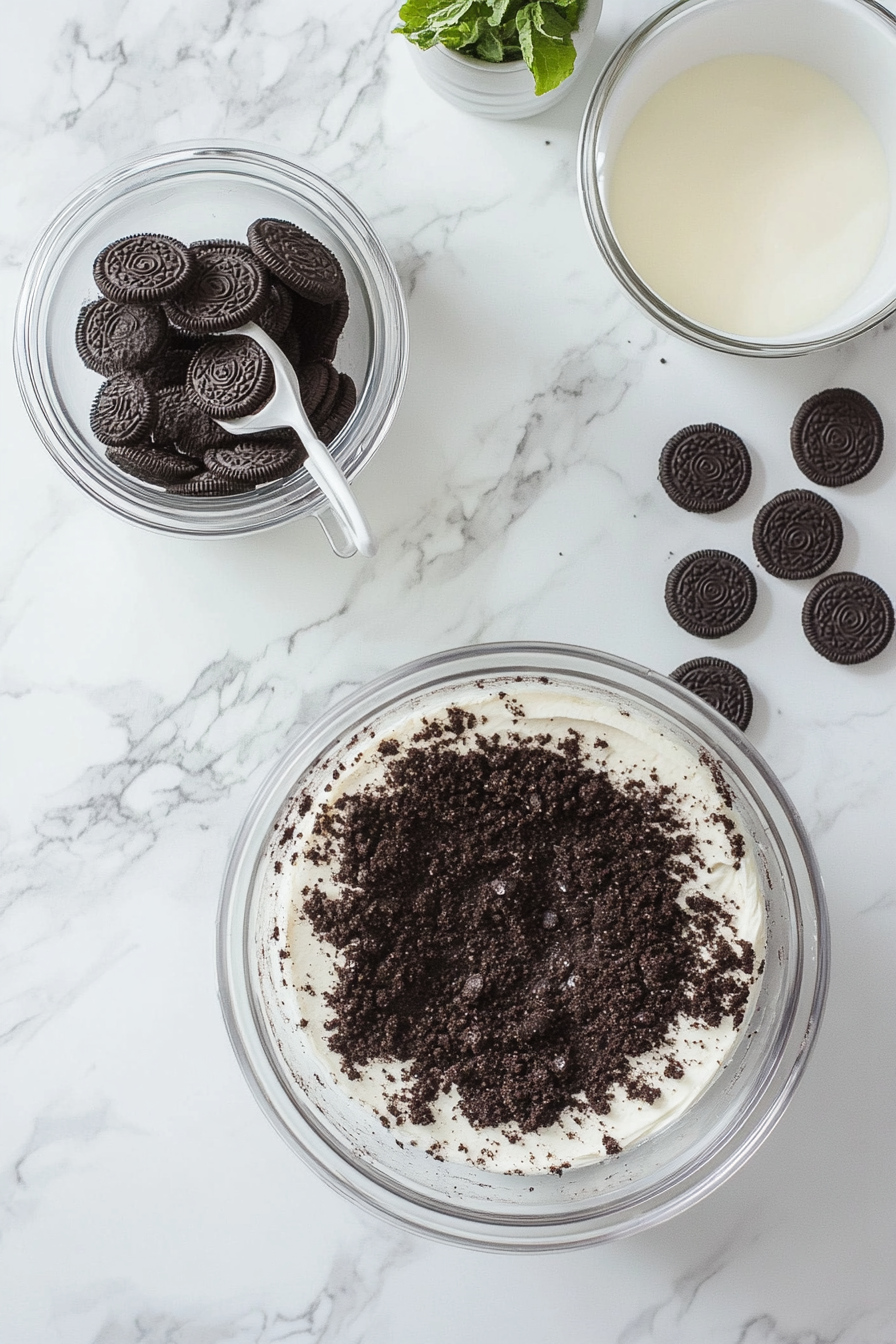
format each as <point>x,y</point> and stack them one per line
<point>155,465</point>
<point>275,315</point>
<point>229,287</point>
<point>337,316</point>
<point>338,418</point>
<point>230,377</point>
<point>848,618</point>
<point>291,346</point>
<point>837,437</point>
<point>254,461</point>
<point>721,685</point>
<point>327,402</point>
<point>207,483</point>
<point>797,535</point>
<point>298,259</point>
<point>124,410</point>
<point>710,594</point>
<point>143,268</point>
<point>705,468</point>
<point>115,337</point>
<point>318,326</point>
<point>183,424</point>
<point>315,385</point>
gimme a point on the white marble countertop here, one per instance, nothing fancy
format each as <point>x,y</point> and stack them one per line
<point>148,682</point>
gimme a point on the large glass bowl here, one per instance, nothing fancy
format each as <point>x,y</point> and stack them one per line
<point>656,1177</point>
<point>192,192</point>
<point>853,42</point>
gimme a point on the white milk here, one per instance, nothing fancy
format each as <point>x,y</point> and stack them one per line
<point>752,194</point>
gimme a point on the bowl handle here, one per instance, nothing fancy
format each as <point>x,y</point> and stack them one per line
<point>343,545</point>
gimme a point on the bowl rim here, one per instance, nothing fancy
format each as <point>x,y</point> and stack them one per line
<point>602,232</point>
<point>267,506</point>
<point>384,1196</point>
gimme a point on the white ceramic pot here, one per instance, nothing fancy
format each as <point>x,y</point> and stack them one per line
<point>504,92</point>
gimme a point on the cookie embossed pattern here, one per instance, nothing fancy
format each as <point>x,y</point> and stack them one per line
<point>836,438</point>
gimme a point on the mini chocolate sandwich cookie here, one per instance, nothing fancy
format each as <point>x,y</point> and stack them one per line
<point>275,315</point>
<point>705,468</point>
<point>116,337</point>
<point>721,685</point>
<point>298,259</point>
<point>207,483</point>
<point>314,386</point>
<point>338,418</point>
<point>229,287</point>
<point>155,465</point>
<point>797,535</point>
<point>143,268</point>
<point>230,377</point>
<point>254,461</point>
<point>837,437</point>
<point>330,395</point>
<point>123,411</point>
<point>318,326</point>
<point>848,618</point>
<point>710,594</point>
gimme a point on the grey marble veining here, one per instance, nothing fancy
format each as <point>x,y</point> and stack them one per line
<point>146,685</point>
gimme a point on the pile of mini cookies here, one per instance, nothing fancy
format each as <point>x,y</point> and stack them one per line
<point>157,335</point>
<point>836,439</point>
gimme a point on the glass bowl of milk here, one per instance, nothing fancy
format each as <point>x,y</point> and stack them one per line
<point>737,164</point>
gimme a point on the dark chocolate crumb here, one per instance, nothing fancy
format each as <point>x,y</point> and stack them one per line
<point>511,909</point>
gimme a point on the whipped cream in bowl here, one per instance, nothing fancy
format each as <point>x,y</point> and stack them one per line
<point>664,929</point>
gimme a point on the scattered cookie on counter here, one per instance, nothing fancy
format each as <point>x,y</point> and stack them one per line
<point>848,618</point>
<point>710,594</point>
<point>705,468</point>
<point>837,437</point>
<point>797,535</point>
<point>721,685</point>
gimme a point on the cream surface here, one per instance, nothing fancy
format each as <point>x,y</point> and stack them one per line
<point>297,968</point>
<point>752,194</point>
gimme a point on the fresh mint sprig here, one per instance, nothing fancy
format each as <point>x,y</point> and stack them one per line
<point>538,32</point>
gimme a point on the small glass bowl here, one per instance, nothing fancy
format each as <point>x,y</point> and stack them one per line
<point>665,1172</point>
<point>192,192</point>
<point>851,41</point>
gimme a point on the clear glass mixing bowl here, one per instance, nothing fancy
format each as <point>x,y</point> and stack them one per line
<point>190,192</point>
<point>655,1178</point>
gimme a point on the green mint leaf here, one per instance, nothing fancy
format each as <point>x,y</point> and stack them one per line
<point>499,10</point>
<point>489,47</point>
<point>452,16</point>
<point>550,58</point>
<point>550,22</point>
<point>414,14</point>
